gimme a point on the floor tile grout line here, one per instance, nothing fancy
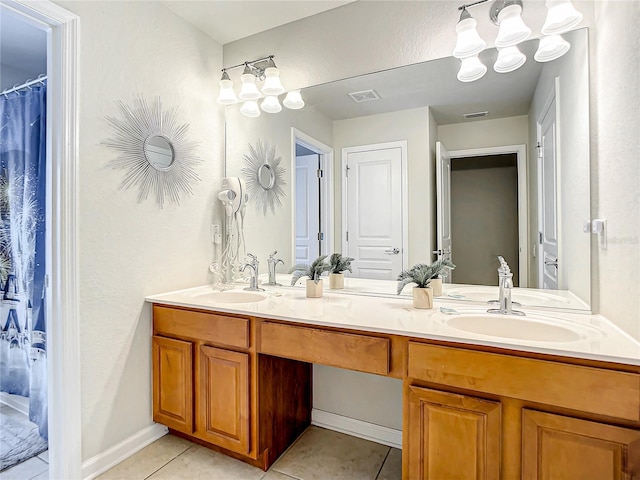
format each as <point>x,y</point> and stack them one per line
<point>382,464</point>
<point>177,456</point>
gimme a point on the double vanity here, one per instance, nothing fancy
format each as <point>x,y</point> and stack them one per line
<point>548,395</point>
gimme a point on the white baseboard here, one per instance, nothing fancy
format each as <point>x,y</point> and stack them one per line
<point>357,428</point>
<point>112,456</point>
<point>16,402</point>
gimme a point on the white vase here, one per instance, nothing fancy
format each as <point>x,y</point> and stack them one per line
<point>314,290</point>
<point>422,297</point>
<point>336,281</point>
<point>436,285</point>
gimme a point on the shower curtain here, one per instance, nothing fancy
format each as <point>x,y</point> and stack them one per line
<point>23,369</point>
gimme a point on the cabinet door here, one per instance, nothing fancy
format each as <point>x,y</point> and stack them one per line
<point>564,448</point>
<point>453,437</point>
<point>223,398</point>
<point>172,384</point>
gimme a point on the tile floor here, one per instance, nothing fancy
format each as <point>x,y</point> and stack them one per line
<point>318,454</point>
<point>36,468</point>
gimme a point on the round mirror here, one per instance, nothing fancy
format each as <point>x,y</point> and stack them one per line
<point>266,176</point>
<point>159,151</point>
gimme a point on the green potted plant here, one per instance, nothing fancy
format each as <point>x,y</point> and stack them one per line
<point>313,272</point>
<point>420,274</point>
<point>439,269</point>
<point>337,265</point>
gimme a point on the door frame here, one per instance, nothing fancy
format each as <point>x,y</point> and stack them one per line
<point>403,145</point>
<point>551,97</point>
<point>326,188</point>
<point>63,321</point>
<point>523,196</point>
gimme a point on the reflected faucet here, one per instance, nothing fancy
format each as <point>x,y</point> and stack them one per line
<point>505,278</point>
<point>272,262</point>
<point>253,265</point>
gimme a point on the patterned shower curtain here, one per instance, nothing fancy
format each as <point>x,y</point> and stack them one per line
<point>23,369</point>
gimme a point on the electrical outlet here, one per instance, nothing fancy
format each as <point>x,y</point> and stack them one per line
<point>216,235</point>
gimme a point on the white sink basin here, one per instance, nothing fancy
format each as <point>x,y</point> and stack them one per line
<point>232,297</point>
<point>521,328</point>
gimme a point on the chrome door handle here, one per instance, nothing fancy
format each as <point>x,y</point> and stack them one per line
<point>446,251</point>
<point>392,251</point>
<point>552,263</point>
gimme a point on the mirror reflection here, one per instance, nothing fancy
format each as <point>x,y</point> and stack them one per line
<point>402,166</point>
<point>159,152</point>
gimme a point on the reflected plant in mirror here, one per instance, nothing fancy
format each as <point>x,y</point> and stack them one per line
<point>264,176</point>
<point>337,265</point>
<point>153,151</point>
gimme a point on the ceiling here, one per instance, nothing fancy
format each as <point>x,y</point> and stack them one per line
<point>23,49</point>
<point>229,20</point>
<point>433,84</point>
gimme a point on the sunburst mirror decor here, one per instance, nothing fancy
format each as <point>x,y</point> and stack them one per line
<point>153,151</point>
<point>264,176</point>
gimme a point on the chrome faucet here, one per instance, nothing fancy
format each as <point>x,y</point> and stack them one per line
<point>253,265</point>
<point>272,262</point>
<point>505,278</point>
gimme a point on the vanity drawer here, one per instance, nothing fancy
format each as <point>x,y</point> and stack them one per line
<point>587,389</point>
<point>205,327</point>
<point>345,350</point>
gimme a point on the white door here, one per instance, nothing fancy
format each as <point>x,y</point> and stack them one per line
<point>547,204</point>
<point>307,225</point>
<point>374,217</point>
<point>443,192</point>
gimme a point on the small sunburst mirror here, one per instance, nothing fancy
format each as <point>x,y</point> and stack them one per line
<point>154,151</point>
<point>264,176</point>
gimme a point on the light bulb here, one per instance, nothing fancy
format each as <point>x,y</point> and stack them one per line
<point>250,109</point>
<point>512,28</point>
<point>248,91</point>
<point>271,104</point>
<point>472,69</point>
<point>272,85</point>
<point>226,96</point>
<point>469,42</point>
<point>293,100</point>
<point>509,59</point>
<point>550,48</point>
<point>561,17</point>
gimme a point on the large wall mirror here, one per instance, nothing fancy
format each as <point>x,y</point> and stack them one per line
<point>394,166</point>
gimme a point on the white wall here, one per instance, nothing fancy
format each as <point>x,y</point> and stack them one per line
<point>273,231</point>
<point>485,133</point>
<point>572,123</point>
<point>128,250</point>
<point>412,126</point>
<point>615,143</point>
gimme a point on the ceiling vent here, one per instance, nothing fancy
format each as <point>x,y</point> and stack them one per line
<point>364,96</point>
<point>475,115</point>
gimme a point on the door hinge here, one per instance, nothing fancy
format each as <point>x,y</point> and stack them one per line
<point>540,238</point>
<point>347,236</point>
<point>320,236</point>
<point>539,148</point>
<point>347,171</point>
<point>320,173</point>
<point>46,281</point>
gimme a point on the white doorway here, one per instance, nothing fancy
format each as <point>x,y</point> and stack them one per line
<point>63,326</point>
<point>444,202</point>
<point>374,209</point>
<point>548,248</point>
<point>313,198</point>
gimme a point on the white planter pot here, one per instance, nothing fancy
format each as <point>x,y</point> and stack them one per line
<point>436,285</point>
<point>422,297</point>
<point>336,281</point>
<point>314,290</point>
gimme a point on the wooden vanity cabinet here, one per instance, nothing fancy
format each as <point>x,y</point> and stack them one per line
<point>211,386</point>
<point>478,415</point>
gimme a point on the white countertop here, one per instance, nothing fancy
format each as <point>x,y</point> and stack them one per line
<point>599,339</point>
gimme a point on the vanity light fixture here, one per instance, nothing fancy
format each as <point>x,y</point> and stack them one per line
<point>260,70</point>
<point>507,14</point>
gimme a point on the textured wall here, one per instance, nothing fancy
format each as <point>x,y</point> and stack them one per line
<point>129,250</point>
<point>615,147</point>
